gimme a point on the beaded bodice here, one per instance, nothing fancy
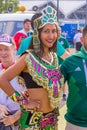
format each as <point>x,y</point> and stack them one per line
<point>45,75</point>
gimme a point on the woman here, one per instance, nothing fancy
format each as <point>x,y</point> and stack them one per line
<point>39,68</point>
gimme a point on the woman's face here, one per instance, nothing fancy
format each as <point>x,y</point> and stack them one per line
<point>27,26</point>
<point>48,35</point>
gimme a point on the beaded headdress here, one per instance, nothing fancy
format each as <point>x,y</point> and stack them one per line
<point>49,15</point>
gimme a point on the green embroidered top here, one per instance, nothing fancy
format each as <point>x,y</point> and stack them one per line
<point>45,75</point>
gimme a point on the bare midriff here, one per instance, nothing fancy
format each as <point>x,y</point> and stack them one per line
<point>41,95</point>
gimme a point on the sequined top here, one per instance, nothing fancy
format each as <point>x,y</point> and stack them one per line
<point>42,74</point>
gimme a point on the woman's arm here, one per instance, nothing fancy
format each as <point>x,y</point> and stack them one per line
<point>3,111</point>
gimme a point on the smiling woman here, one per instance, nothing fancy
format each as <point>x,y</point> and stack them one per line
<point>40,70</point>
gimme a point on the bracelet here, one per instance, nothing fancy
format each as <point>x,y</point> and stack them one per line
<point>16,96</point>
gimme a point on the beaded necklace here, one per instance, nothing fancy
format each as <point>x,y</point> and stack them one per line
<point>48,61</point>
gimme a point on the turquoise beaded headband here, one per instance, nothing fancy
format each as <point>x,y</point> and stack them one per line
<point>49,15</point>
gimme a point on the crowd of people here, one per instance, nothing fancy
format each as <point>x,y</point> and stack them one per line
<point>32,84</point>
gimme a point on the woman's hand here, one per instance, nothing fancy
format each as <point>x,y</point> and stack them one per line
<point>32,105</point>
<point>11,119</point>
<point>28,103</point>
<point>8,120</point>
<point>3,111</point>
<point>25,95</point>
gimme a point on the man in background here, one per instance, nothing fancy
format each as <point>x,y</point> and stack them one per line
<point>24,33</point>
<point>77,40</point>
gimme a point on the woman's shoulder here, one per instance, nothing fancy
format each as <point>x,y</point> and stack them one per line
<point>27,52</point>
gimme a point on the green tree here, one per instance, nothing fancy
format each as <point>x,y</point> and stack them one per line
<point>8,5</point>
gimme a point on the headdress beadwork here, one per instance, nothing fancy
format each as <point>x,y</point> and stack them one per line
<point>49,15</point>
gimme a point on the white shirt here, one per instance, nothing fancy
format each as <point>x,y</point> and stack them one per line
<point>23,31</point>
<point>77,37</point>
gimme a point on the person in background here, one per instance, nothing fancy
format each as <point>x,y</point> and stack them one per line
<point>25,32</point>
<point>9,110</point>
<point>77,40</point>
<point>40,69</point>
<point>65,44</point>
<point>64,34</point>
<point>74,69</point>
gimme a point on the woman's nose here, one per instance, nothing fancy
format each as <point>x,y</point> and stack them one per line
<point>51,35</point>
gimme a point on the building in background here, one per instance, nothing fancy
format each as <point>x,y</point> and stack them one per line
<point>71,13</point>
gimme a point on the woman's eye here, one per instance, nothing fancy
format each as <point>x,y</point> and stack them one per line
<point>46,31</point>
<point>54,31</point>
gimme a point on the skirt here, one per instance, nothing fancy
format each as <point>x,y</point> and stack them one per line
<point>39,121</point>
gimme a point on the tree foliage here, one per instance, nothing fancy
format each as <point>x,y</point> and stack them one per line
<point>8,6</point>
